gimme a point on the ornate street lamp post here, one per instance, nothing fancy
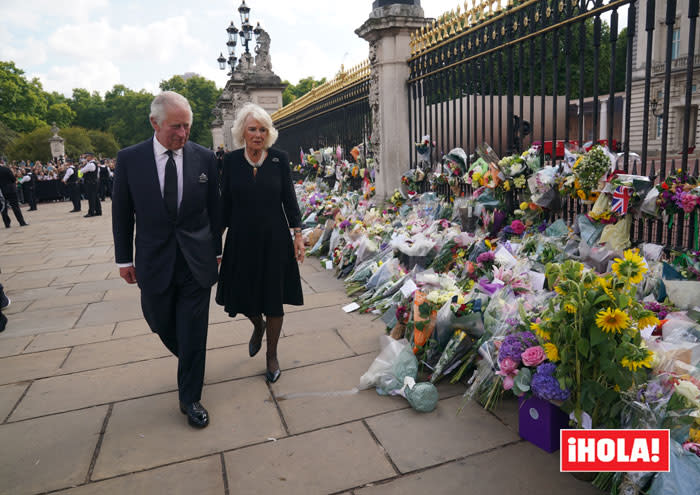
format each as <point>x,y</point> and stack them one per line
<point>245,33</point>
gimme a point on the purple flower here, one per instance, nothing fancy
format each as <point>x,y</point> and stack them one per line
<point>511,348</point>
<point>515,344</point>
<point>546,369</point>
<point>487,257</point>
<point>513,322</point>
<point>547,387</point>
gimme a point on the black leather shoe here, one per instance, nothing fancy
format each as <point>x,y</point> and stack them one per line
<point>74,211</point>
<point>88,215</point>
<point>254,344</point>
<point>197,416</point>
<point>3,322</point>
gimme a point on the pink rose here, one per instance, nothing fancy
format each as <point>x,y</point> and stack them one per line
<point>533,356</point>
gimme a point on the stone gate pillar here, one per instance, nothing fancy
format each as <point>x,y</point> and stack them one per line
<point>388,32</point>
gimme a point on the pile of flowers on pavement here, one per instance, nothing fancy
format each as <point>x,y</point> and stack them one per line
<point>492,288</point>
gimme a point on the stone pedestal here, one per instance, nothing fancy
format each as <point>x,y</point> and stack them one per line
<point>56,143</point>
<point>388,32</point>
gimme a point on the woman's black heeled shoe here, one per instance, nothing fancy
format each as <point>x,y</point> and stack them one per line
<point>272,376</point>
<point>255,345</point>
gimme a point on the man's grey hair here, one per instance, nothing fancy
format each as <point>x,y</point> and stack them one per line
<point>165,100</point>
<point>259,114</point>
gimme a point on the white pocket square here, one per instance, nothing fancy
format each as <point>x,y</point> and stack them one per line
<point>275,160</point>
<point>203,179</point>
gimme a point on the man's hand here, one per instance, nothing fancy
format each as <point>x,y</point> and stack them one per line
<point>128,274</point>
<point>299,248</point>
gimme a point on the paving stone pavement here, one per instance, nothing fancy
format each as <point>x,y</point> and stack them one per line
<point>88,401</point>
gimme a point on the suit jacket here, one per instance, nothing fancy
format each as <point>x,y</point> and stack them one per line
<point>138,201</point>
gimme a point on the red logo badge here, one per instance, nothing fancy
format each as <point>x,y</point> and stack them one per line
<point>615,450</point>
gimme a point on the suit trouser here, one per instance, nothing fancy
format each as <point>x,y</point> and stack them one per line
<point>11,199</point>
<point>104,189</point>
<point>74,194</point>
<point>180,317</point>
<point>94,206</point>
<point>30,195</point>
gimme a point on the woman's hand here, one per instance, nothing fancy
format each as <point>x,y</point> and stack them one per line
<point>299,248</point>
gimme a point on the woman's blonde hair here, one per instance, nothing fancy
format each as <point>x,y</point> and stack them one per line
<point>252,110</point>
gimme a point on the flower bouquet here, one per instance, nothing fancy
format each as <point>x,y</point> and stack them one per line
<point>594,324</point>
<point>589,171</point>
<point>424,149</point>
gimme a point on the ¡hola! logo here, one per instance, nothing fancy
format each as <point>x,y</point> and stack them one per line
<point>614,450</point>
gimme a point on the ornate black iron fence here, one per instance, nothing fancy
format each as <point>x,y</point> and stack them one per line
<point>334,114</point>
<point>547,71</point>
<point>557,73</point>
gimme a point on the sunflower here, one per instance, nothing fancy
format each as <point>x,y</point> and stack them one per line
<point>570,308</point>
<point>604,284</point>
<point>612,320</point>
<point>551,351</point>
<point>544,335</point>
<point>647,321</point>
<point>632,267</point>
<point>559,290</point>
<point>635,364</point>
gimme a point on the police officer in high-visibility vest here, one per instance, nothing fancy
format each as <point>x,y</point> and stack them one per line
<point>89,173</point>
<point>70,179</point>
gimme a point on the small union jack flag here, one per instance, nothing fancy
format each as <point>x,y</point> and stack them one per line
<point>621,199</point>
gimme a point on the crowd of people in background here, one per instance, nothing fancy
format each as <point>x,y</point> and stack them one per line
<point>87,178</point>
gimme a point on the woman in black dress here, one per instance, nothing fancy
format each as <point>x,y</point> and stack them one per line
<point>259,271</point>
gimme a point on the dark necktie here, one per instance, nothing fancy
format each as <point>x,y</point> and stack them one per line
<point>170,187</point>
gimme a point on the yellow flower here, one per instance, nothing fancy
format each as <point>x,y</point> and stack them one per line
<point>488,243</point>
<point>544,335</point>
<point>559,290</point>
<point>524,205</point>
<point>506,185</point>
<point>634,365</point>
<point>632,267</point>
<point>617,388</point>
<point>695,434</point>
<point>612,320</point>
<point>605,285</point>
<point>476,176</point>
<point>570,308</point>
<point>551,351</point>
<point>581,194</point>
<point>647,321</point>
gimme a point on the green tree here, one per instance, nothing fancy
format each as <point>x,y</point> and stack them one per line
<point>61,114</point>
<point>292,92</point>
<point>31,146</point>
<point>128,112</point>
<point>90,109</point>
<point>22,102</point>
<point>103,143</point>
<point>202,95</point>
<point>7,136</point>
<point>77,141</point>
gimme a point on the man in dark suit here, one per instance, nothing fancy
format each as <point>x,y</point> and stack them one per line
<point>8,186</point>
<point>168,186</point>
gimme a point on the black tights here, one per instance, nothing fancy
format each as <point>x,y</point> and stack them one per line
<point>273,328</point>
